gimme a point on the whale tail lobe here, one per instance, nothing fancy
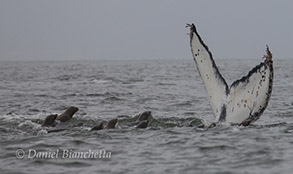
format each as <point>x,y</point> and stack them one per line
<point>246,98</point>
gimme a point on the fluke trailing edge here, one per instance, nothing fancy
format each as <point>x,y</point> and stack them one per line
<point>246,99</point>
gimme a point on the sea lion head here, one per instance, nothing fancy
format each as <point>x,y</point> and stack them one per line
<point>111,124</point>
<point>67,115</point>
<point>71,110</point>
<point>144,116</point>
<point>50,120</point>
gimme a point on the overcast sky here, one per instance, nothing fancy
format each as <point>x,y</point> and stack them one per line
<point>136,29</point>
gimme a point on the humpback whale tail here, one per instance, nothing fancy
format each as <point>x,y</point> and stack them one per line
<point>246,99</point>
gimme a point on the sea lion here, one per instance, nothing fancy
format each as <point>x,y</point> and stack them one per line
<point>144,116</point>
<point>111,124</point>
<point>141,117</point>
<point>50,121</point>
<point>99,127</point>
<point>136,120</point>
<point>67,115</point>
<point>142,120</point>
<point>143,124</point>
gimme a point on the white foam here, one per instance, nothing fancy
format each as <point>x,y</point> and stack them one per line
<point>42,132</point>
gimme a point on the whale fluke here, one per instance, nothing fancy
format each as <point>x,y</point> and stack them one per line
<point>246,99</point>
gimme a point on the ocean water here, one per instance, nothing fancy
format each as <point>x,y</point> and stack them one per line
<point>102,90</point>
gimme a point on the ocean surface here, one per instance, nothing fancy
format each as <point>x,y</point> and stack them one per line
<point>173,143</point>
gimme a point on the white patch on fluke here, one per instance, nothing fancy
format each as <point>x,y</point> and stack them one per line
<point>246,99</point>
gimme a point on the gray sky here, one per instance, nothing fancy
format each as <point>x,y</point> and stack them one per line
<point>150,29</point>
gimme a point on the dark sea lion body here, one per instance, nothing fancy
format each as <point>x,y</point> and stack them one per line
<point>56,130</point>
<point>67,115</point>
<point>99,127</point>
<point>143,124</point>
<point>111,124</point>
<point>50,121</point>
